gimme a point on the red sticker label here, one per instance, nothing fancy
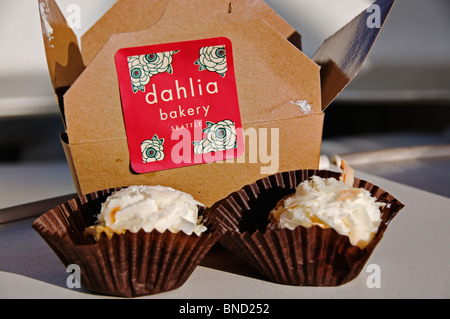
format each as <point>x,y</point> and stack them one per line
<point>180,104</point>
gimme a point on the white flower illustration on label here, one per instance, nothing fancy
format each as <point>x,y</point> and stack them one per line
<point>152,150</point>
<point>213,59</point>
<point>220,136</point>
<point>143,67</point>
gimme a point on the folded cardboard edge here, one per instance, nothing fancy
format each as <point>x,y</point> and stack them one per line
<point>296,149</point>
<point>342,54</point>
<point>99,33</point>
<point>64,59</point>
<point>67,152</point>
<point>64,136</point>
<point>264,11</point>
<point>123,10</point>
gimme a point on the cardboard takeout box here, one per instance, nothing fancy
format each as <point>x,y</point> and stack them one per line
<point>282,93</point>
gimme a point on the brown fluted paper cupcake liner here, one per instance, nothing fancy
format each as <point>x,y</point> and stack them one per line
<point>127,265</point>
<point>303,256</point>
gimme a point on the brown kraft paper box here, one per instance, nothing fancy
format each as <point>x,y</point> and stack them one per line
<point>282,92</point>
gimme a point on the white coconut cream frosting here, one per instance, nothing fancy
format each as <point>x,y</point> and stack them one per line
<point>150,207</point>
<point>328,202</point>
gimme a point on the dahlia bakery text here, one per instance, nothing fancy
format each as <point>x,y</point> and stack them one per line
<point>159,96</point>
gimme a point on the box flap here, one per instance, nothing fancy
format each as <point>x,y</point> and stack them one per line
<point>134,15</point>
<point>61,46</point>
<point>137,15</point>
<point>259,9</point>
<point>64,59</point>
<point>272,75</point>
<point>342,55</point>
<point>66,62</point>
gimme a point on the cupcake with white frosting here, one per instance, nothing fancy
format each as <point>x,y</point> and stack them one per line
<point>148,208</point>
<point>306,227</point>
<point>330,203</point>
<point>133,241</point>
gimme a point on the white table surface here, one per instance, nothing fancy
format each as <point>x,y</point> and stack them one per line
<point>413,256</point>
